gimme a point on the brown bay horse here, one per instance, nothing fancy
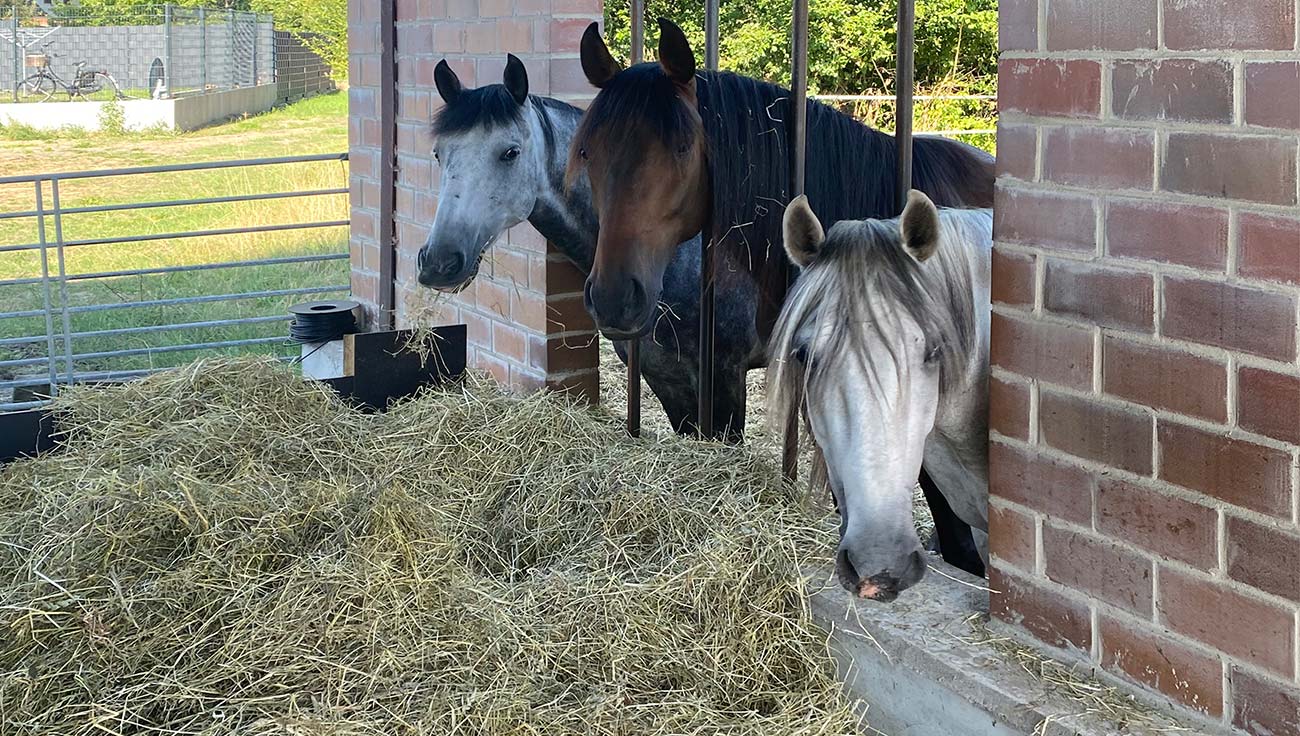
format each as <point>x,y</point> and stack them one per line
<point>670,150</point>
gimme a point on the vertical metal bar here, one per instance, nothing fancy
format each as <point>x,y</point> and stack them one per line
<point>45,289</point>
<point>18,52</point>
<point>798,134</point>
<point>230,30</point>
<point>387,163</point>
<point>711,35</point>
<point>167,49</point>
<point>636,53</point>
<point>203,49</point>
<point>257,41</point>
<point>63,280</point>
<point>708,267</point>
<point>903,101</point>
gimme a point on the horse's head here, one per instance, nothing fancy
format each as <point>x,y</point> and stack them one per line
<point>642,145</point>
<point>490,149</point>
<point>860,339</point>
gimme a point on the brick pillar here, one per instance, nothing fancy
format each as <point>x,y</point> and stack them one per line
<point>1146,391</point>
<point>524,313</point>
<point>364,148</point>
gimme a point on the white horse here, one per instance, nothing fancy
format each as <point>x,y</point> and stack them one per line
<point>884,341</point>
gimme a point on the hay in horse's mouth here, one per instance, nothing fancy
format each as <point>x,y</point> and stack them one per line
<point>224,548</point>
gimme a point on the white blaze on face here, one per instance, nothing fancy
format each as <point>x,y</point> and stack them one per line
<point>871,408</point>
<point>872,381</point>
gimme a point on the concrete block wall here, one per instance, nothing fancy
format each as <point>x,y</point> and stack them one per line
<point>524,312</point>
<point>127,52</point>
<point>1146,390</point>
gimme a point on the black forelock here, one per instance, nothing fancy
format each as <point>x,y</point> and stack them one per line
<point>491,106</point>
<point>642,95</point>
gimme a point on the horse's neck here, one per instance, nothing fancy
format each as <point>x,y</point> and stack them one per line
<point>963,404</point>
<point>566,218</point>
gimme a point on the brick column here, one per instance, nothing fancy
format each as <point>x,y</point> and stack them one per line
<point>524,312</point>
<point>1146,391</point>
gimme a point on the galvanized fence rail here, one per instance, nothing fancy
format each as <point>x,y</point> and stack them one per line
<point>52,352</point>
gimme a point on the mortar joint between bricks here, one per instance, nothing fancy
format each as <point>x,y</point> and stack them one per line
<point>1040,550</point>
<point>1225,672</point>
<point>1238,91</point>
<point>1295,649</point>
<point>1155,485</point>
<point>1041,30</point>
<point>1233,388</point>
<point>1221,544</point>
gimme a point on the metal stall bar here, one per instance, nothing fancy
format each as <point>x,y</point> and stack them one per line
<point>904,82</point>
<point>18,50</point>
<point>167,50</point>
<point>63,278</point>
<point>203,50</point>
<point>47,301</point>
<point>637,54</point>
<point>183,269</point>
<point>152,329</point>
<point>798,134</point>
<point>173,168</point>
<point>183,300</point>
<point>186,234</point>
<point>708,300</point>
<point>387,233</point>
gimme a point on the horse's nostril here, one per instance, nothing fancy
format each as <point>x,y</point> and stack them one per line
<point>586,295</point>
<point>450,265</point>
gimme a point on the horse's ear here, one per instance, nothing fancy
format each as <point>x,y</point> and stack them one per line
<point>516,79</point>
<point>675,54</point>
<point>597,63</point>
<point>448,83</point>
<point>803,232</point>
<point>919,226</point>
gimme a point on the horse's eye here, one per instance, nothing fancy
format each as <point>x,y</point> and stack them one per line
<point>436,157</point>
<point>683,150</point>
<point>801,354</point>
<point>511,154</point>
<point>582,153</point>
<point>933,354</point>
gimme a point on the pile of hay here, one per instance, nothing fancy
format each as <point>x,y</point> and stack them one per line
<point>225,549</point>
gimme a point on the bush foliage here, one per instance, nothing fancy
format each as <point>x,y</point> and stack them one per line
<point>850,42</point>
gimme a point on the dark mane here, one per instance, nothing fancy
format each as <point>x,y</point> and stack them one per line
<point>640,96</point>
<point>493,106</point>
<point>850,168</point>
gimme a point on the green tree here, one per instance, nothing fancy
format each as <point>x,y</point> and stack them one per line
<point>850,42</point>
<point>322,26</point>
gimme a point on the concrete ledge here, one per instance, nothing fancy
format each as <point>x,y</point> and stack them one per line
<point>183,113</point>
<point>922,670</point>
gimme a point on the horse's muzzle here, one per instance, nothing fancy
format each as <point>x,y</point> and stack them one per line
<point>448,272</point>
<point>622,312</point>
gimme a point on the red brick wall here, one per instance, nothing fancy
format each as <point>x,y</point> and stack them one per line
<point>1146,392</point>
<point>524,311</point>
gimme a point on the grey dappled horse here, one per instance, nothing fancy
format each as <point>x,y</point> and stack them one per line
<point>886,336</point>
<point>503,153</point>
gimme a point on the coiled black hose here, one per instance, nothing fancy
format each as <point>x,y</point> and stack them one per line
<point>317,322</point>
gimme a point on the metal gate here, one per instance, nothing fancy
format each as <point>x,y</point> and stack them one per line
<point>904,80</point>
<point>38,347</point>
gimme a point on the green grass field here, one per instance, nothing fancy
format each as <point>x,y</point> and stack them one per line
<point>318,125</point>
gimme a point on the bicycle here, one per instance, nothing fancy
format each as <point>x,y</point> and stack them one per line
<point>46,82</point>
